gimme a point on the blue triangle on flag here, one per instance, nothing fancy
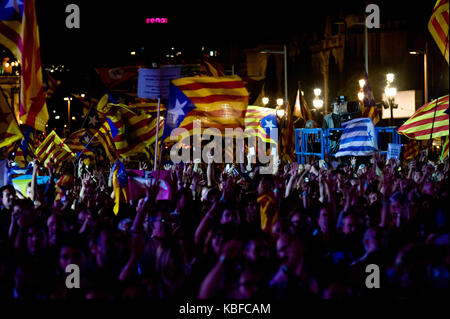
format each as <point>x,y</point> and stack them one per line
<point>269,122</point>
<point>178,106</point>
<point>113,128</point>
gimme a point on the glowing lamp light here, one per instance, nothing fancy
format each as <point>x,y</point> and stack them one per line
<point>280,102</point>
<point>362,82</point>
<point>361,96</point>
<point>318,103</point>
<point>317,92</point>
<point>390,91</point>
<point>390,77</point>
<point>265,100</point>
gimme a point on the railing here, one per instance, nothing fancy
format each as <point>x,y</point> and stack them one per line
<point>315,141</point>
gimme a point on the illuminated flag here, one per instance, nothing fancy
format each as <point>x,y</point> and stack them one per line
<point>218,102</point>
<point>358,138</point>
<point>54,148</point>
<point>131,131</point>
<point>430,118</point>
<point>411,150</point>
<point>104,136</point>
<point>112,77</point>
<point>9,130</point>
<point>301,108</point>
<point>438,26</point>
<point>78,141</point>
<point>20,34</point>
<point>259,121</point>
<point>370,109</point>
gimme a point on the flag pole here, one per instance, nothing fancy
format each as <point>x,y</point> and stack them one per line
<point>157,135</point>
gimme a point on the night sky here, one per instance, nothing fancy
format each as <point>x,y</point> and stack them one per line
<point>110,29</point>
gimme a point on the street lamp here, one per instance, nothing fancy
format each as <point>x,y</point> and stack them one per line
<point>390,93</point>
<point>284,53</point>
<point>425,71</point>
<point>265,100</point>
<point>317,102</point>
<point>68,99</point>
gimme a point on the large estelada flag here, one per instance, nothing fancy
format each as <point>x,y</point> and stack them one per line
<point>438,26</point>
<point>358,138</point>
<point>105,137</point>
<point>81,141</point>
<point>217,102</point>
<point>432,118</point>
<point>259,121</point>
<point>20,34</point>
<point>53,148</point>
<point>131,130</point>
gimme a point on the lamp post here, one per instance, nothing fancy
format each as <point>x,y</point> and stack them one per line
<point>284,53</point>
<point>425,71</point>
<point>390,93</point>
<point>68,99</point>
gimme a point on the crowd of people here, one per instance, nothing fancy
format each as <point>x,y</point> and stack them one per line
<point>308,231</point>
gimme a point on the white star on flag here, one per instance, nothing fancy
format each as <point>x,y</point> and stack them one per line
<point>269,125</point>
<point>85,139</point>
<point>92,120</point>
<point>14,4</point>
<point>177,110</point>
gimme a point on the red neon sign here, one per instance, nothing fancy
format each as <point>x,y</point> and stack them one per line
<point>156,20</point>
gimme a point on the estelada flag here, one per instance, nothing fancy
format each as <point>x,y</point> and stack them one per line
<point>438,26</point>
<point>54,148</point>
<point>411,149</point>
<point>430,119</point>
<point>9,130</point>
<point>19,33</point>
<point>218,102</point>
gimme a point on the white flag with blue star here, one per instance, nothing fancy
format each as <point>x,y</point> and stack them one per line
<point>358,139</point>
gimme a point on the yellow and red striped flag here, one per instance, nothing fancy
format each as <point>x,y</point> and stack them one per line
<point>259,121</point>
<point>19,33</point>
<point>104,136</point>
<point>133,131</point>
<point>54,148</point>
<point>218,102</point>
<point>9,130</point>
<point>438,26</point>
<point>444,153</point>
<point>301,108</point>
<point>411,149</point>
<point>78,140</point>
<point>420,125</point>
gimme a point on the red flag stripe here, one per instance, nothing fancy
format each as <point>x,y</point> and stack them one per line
<point>12,35</point>
<point>426,121</point>
<point>219,98</point>
<point>212,85</point>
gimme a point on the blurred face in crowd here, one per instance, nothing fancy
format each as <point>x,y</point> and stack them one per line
<point>230,216</point>
<point>324,219</point>
<point>256,250</point>
<point>251,211</point>
<point>7,198</point>
<point>107,249</point>
<point>157,225</point>
<point>282,245</point>
<point>249,285</point>
<point>350,225</point>
<point>55,226</point>
<point>71,255</point>
<point>36,240</point>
